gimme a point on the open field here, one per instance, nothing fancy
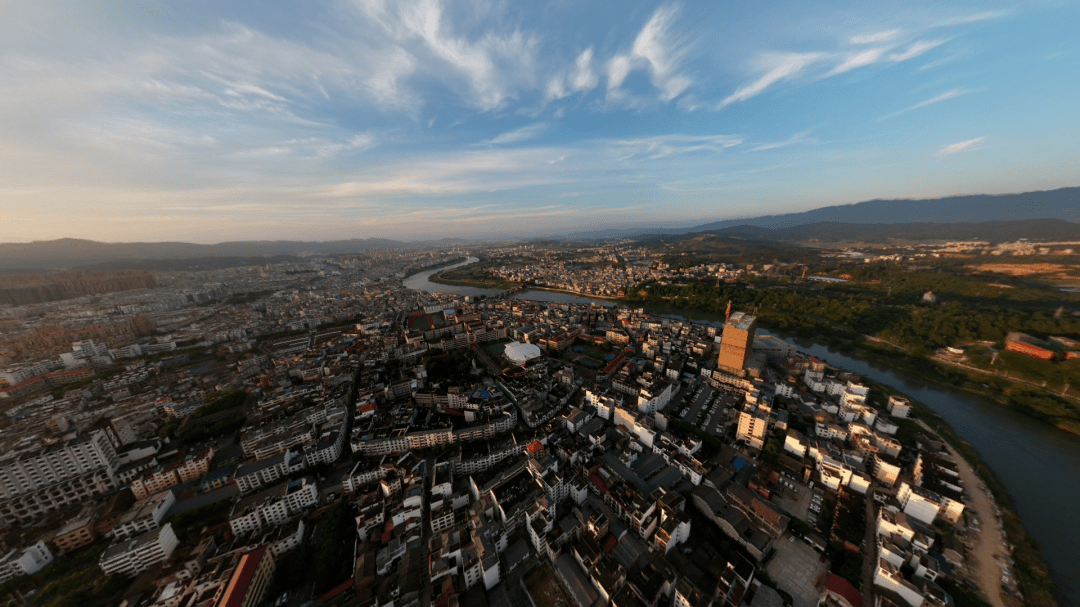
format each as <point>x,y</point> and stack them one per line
<point>543,588</point>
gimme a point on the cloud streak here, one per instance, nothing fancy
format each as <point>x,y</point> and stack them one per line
<point>525,133</point>
<point>960,146</point>
<point>780,67</point>
<point>954,93</point>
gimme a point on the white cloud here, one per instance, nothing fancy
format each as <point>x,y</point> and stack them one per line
<point>656,51</point>
<point>942,97</point>
<point>875,38</point>
<point>618,70</point>
<point>793,140</point>
<point>961,146</point>
<point>858,60</point>
<point>915,50</point>
<point>972,18</point>
<point>525,133</point>
<point>581,78</point>
<point>661,146</point>
<point>780,67</point>
<point>584,79</point>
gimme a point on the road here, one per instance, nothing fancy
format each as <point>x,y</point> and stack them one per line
<point>870,555</point>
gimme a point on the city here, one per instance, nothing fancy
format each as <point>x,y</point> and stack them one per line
<point>432,303</point>
<point>316,431</point>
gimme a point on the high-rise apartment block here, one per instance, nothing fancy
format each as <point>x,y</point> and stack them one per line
<point>737,341</point>
<point>34,482</point>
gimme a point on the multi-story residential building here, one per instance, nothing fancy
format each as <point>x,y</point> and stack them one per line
<point>133,556</point>
<point>193,466</point>
<point>249,581</point>
<point>250,477</point>
<point>33,483</point>
<point>145,515</point>
<point>754,424</point>
<point>75,534</point>
<point>898,407</point>
<point>273,506</point>
<point>24,562</point>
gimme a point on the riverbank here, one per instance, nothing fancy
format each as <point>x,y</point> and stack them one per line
<point>414,271</point>
<point>1000,519</point>
<point>586,295</point>
<point>1036,404</point>
<point>1030,570</point>
<point>989,543</point>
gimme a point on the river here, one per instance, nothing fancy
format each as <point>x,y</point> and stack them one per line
<point>422,282</point>
<point>1038,465</point>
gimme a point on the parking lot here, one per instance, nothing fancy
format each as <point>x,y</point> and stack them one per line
<point>796,503</point>
<point>798,570</point>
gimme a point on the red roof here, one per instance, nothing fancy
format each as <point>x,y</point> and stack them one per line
<point>535,446</point>
<point>609,544</point>
<point>843,588</point>
<point>596,480</point>
<point>241,578</point>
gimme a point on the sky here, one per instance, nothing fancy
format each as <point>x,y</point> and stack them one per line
<point>418,119</point>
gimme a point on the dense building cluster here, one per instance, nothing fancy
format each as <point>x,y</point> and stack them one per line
<point>478,448</point>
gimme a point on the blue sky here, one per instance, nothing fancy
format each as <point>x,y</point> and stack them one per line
<point>416,119</point>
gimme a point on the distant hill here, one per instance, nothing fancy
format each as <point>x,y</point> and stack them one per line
<point>72,252</point>
<point>1053,204</point>
<point>824,232</point>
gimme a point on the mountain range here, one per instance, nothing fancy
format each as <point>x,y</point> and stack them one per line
<point>1041,215</point>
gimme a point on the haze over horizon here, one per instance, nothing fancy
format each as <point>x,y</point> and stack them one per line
<point>416,120</point>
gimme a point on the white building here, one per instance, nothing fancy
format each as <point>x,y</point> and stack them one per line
<point>898,407</point>
<point>133,556</point>
<point>25,562</point>
<point>521,353</point>
<point>33,483</point>
<point>918,503</point>
<point>274,506</point>
<point>145,515</point>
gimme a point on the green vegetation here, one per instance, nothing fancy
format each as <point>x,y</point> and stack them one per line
<point>201,432</point>
<point>332,562</point>
<point>73,580</point>
<point>845,563</point>
<point>188,525</point>
<point>962,597</point>
<point>770,454</point>
<point>455,367</point>
<point>219,403</point>
<point>842,316</point>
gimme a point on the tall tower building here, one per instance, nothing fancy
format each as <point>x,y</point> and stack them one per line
<point>737,341</point>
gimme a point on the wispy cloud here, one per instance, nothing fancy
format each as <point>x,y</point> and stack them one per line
<point>657,50</point>
<point>972,18</point>
<point>581,78</point>
<point>942,97</point>
<point>662,146</point>
<point>525,133</point>
<point>857,60</point>
<point>780,67</point>
<point>797,138</point>
<point>915,50</point>
<point>875,38</point>
<point>960,146</point>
